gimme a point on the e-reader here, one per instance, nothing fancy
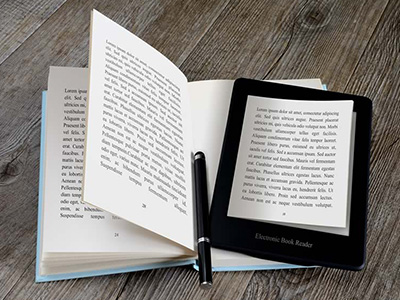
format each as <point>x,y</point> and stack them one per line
<point>292,182</point>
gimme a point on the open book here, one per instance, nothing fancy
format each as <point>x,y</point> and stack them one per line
<point>120,137</point>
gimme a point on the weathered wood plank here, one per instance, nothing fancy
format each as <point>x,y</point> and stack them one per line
<point>183,283</point>
<point>327,40</point>
<point>63,40</point>
<point>19,19</point>
<point>283,284</point>
<point>376,76</point>
<point>286,39</point>
<point>246,37</point>
<point>100,287</point>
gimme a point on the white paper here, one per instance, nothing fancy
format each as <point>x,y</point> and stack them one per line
<point>122,175</point>
<point>293,161</point>
<point>69,226</point>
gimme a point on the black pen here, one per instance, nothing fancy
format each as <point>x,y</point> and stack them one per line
<point>203,224</point>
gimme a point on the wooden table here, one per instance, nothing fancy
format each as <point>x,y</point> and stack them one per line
<point>353,46</point>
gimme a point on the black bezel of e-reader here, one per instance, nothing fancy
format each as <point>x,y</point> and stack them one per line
<point>236,234</point>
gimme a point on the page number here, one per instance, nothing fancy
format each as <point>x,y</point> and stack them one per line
<point>116,234</point>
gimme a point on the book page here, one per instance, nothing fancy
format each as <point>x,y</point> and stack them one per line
<point>69,226</point>
<point>138,147</point>
<point>293,162</point>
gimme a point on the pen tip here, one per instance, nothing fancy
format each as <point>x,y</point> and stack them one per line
<point>206,285</point>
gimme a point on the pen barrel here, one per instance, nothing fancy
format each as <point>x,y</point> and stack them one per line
<point>203,224</point>
<point>201,193</point>
<point>205,271</point>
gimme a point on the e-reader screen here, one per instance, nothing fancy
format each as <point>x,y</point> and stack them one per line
<point>294,164</point>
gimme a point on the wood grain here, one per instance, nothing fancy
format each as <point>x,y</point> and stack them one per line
<point>182,283</point>
<point>20,19</point>
<point>376,76</point>
<point>351,45</point>
<point>286,39</point>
